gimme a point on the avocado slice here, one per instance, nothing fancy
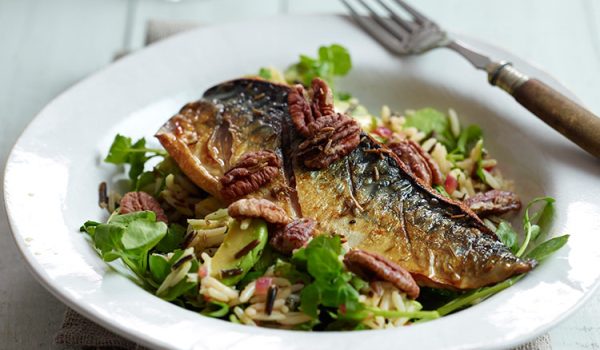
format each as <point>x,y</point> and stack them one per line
<point>225,263</point>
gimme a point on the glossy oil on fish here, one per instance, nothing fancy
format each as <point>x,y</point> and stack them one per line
<point>369,196</point>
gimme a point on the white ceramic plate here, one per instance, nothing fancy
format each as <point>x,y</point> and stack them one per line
<point>54,170</point>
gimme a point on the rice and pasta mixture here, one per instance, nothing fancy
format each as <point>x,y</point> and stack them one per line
<point>227,267</point>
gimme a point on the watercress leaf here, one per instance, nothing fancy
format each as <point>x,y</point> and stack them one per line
<point>507,235</point>
<point>299,258</point>
<point>310,298</point>
<point>107,239</point>
<point>531,218</point>
<point>146,182</point>
<point>467,138</point>
<point>172,240</point>
<point>89,227</point>
<point>428,120</point>
<point>119,150</point>
<point>265,73</point>
<point>143,235</point>
<point>288,271</point>
<point>545,218</point>
<point>125,219</point>
<point>332,243</point>
<point>323,264</point>
<point>343,95</point>
<point>357,282</point>
<point>179,289</point>
<point>340,57</point>
<point>545,249</point>
<point>159,267</point>
<point>339,293</point>
<point>333,60</point>
<point>535,231</point>
<point>137,160</point>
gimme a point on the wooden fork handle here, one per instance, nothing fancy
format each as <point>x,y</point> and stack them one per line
<point>555,109</point>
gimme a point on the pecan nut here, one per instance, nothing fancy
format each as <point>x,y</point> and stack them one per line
<point>258,208</point>
<point>304,113</point>
<point>372,266</point>
<point>322,99</point>
<point>418,161</point>
<point>293,236</point>
<point>300,110</point>
<point>494,202</point>
<point>332,137</point>
<point>140,201</point>
<point>252,171</point>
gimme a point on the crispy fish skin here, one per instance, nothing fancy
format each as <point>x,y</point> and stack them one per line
<point>368,196</point>
<point>381,208</point>
<point>207,137</point>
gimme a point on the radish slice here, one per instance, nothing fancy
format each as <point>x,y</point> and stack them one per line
<point>262,285</point>
<point>450,184</point>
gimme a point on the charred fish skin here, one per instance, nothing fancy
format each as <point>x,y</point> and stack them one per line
<point>368,196</point>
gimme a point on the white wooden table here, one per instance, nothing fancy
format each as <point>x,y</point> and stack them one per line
<point>46,46</point>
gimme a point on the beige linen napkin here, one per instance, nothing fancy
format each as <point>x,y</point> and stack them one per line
<point>78,331</point>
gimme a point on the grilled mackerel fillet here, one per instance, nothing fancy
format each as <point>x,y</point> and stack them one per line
<point>369,196</point>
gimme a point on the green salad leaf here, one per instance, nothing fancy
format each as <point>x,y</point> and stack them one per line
<point>531,221</point>
<point>159,267</point>
<point>124,151</point>
<point>507,235</point>
<point>332,61</point>
<point>129,237</point>
<point>432,122</point>
<point>172,275</point>
<point>265,73</point>
<point>467,139</point>
<point>331,286</point>
<point>545,249</point>
<point>172,240</point>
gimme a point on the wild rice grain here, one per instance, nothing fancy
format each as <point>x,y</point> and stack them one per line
<point>271,295</point>
<point>231,272</point>
<point>242,252</point>
<point>102,196</point>
<point>181,261</point>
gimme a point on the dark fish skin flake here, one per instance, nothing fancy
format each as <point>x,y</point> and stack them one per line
<point>440,242</point>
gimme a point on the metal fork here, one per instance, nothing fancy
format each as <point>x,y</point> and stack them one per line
<point>415,34</point>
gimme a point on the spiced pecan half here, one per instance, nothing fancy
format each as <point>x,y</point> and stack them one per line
<point>371,266</point>
<point>300,110</point>
<point>140,201</point>
<point>293,236</point>
<point>494,202</point>
<point>258,208</point>
<point>304,113</point>
<point>333,137</point>
<point>322,99</point>
<point>252,171</point>
<point>418,161</point>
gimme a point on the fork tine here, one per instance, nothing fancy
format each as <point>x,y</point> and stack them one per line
<point>401,22</point>
<point>383,23</point>
<point>419,17</point>
<point>364,24</point>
